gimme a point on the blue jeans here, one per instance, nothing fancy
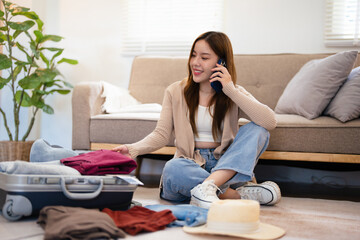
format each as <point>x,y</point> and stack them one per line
<point>180,175</point>
<point>186,215</point>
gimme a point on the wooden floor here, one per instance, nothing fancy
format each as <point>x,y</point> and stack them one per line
<point>301,218</point>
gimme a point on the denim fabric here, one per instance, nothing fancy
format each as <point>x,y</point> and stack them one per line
<point>186,215</point>
<point>180,175</point>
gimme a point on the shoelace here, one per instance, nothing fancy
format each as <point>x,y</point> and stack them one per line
<point>252,193</point>
<point>209,189</point>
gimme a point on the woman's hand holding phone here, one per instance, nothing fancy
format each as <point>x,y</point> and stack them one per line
<point>220,77</point>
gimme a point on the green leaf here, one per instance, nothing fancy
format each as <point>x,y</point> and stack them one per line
<point>22,65</point>
<point>67,84</point>
<point>48,109</point>
<point>31,15</point>
<point>3,28</point>
<point>33,49</point>
<point>38,35</point>
<point>61,91</point>
<point>16,33</point>
<point>50,84</point>
<point>4,81</point>
<point>17,9</point>
<point>40,24</point>
<point>5,62</point>
<point>17,70</point>
<point>30,82</point>
<point>70,61</point>
<point>56,55</point>
<point>3,37</point>
<point>46,75</point>
<point>40,92</point>
<point>53,38</point>
<point>26,100</point>
<point>23,50</point>
<point>21,26</point>
<point>37,101</point>
<point>29,59</point>
<point>51,49</point>
<point>29,36</point>
<point>45,59</point>
<point>1,13</point>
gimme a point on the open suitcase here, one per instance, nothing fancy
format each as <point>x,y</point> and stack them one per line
<point>25,195</point>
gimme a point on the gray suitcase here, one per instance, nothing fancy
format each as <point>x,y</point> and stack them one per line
<point>26,195</point>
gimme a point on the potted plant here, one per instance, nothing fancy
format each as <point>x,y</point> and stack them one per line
<point>29,71</point>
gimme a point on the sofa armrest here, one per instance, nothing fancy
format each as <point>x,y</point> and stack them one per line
<point>86,102</point>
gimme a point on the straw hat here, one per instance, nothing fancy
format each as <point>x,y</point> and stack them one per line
<point>238,218</point>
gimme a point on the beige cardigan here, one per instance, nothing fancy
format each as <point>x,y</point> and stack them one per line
<point>174,120</point>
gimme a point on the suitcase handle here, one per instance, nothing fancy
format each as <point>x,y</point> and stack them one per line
<point>81,196</point>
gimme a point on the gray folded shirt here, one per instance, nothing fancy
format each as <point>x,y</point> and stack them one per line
<point>48,168</point>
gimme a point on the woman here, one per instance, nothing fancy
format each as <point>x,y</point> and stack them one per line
<point>212,152</point>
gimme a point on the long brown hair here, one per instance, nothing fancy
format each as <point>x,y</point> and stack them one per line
<point>221,45</point>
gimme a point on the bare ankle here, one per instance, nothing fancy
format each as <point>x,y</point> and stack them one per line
<point>230,194</point>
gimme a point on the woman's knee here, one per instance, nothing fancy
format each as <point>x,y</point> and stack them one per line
<point>171,168</point>
<point>256,130</point>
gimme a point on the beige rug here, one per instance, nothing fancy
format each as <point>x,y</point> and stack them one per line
<point>302,218</point>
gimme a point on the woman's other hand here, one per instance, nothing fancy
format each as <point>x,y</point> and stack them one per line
<point>122,149</point>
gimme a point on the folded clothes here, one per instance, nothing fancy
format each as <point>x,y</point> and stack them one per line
<point>101,162</point>
<point>22,167</point>
<point>139,219</point>
<point>186,214</point>
<point>61,222</point>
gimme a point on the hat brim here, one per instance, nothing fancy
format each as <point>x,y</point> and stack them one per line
<point>265,231</point>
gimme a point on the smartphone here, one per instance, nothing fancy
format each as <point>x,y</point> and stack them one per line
<point>216,85</point>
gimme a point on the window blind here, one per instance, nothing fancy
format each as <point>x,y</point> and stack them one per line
<point>342,23</point>
<point>166,26</point>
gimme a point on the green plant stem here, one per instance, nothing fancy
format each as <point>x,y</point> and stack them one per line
<point>6,125</point>
<point>21,98</point>
<point>30,125</point>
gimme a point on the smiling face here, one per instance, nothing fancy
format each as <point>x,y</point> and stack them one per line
<point>202,60</point>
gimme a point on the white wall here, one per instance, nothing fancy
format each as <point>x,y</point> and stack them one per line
<point>276,26</point>
<point>92,36</point>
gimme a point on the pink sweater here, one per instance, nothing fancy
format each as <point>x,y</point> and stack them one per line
<point>174,120</point>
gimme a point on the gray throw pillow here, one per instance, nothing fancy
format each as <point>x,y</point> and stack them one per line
<point>312,88</point>
<point>346,104</point>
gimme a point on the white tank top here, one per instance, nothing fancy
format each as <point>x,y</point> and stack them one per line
<point>203,123</point>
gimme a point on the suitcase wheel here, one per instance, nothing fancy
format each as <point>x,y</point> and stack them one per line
<point>8,213</point>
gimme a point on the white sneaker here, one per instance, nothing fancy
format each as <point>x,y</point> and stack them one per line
<point>204,194</point>
<point>266,193</point>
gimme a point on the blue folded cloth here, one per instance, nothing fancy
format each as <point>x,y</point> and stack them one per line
<point>42,151</point>
<point>186,214</point>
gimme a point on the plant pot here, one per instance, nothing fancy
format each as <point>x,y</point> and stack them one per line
<point>15,150</point>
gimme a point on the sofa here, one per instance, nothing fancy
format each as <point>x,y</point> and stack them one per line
<point>296,138</point>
